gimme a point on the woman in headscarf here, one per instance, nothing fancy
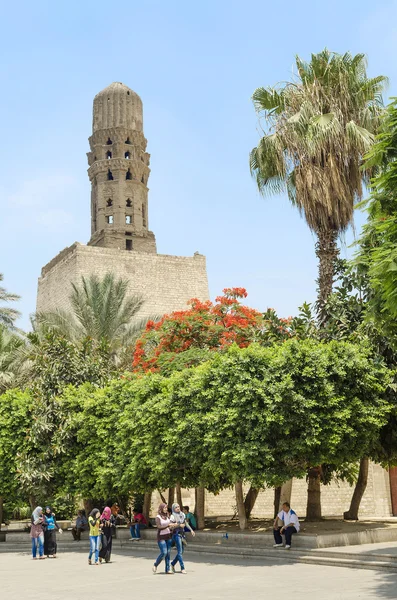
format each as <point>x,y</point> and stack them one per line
<point>164,535</point>
<point>94,521</point>
<point>37,532</point>
<point>179,519</point>
<point>50,536</point>
<point>108,523</point>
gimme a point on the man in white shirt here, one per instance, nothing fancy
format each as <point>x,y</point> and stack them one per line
<point>290,526</point>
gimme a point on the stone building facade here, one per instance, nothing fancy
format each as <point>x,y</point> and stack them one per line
<point>121,241</point>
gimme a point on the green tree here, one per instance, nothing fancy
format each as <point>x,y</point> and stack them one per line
<point>7,315</point>
<point>56,363</point>
<point>318,128</point>
<point>15,419</point>
<point>101,310</point>
<point>377,256</point>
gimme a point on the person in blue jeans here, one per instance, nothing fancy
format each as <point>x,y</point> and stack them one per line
<point>138,522</point>
<point>37,532</point>
<point>94,521</point>
<point>164,541</point>
<point>179,519</point>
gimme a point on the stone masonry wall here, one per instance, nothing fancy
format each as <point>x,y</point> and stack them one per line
<point>335,499</point>
<point>167,282</point>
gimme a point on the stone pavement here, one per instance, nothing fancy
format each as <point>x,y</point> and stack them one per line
<point>70,578</point>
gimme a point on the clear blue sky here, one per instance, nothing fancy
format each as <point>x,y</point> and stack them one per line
<point>195,66</point>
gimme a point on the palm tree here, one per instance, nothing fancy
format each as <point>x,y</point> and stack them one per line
<point>318,128</point>
<point>101,309</point>
<point>7,315</point>
<point>11,365</point>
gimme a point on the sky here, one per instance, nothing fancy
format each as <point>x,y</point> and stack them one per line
<point>195,66</point>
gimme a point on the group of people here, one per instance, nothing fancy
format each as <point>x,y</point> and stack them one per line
<point>43,530</point>
<point>171,530</point>
<point>172,525</point>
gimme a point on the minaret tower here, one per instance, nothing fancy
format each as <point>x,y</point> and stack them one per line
<point>119,172</point>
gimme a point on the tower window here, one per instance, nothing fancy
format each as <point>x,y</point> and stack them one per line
<point>108,154</point>
<point>127,155</point>
<point>128,175</point>
<point>128,244</point>
<point>109,219</point>
<point>109,202</point>
<point>109,142</point>
<point>143,179</point>
<point>94,158</point>
<point>110,176</point>
<point>128,93</point>
<point>128,203</point>
<point>143,215</point>
<point>128,219</point>
<point>127,141</point>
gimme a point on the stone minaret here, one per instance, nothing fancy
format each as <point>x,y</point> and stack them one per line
<point>119,172</point>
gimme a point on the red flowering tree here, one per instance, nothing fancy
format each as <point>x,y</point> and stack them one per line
<point>202,328</point>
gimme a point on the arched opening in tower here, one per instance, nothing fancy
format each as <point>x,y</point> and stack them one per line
<point>128,203</point>
<point>109,202</point>
<point>109,142</point>
<point>127,141</point>
<point>143,179</point>
<point>110,176</point>
<point>128,175</point>
<point>108,154</point>
<point>127,155</point>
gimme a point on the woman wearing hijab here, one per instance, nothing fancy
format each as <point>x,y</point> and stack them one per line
<point>94,521</point>
<point>50,528</point>
<point>164,535</point>
<point>37,532</point>
<point>179,519</point>
<point>108,522</point>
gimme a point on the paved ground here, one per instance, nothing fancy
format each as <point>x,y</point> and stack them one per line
<point>129,576</point>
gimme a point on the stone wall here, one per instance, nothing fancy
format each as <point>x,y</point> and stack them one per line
<point>335,499</point>
<point>166,282</point>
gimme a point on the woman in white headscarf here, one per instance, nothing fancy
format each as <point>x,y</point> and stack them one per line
<point>179,518</point>
<point>37,532</point>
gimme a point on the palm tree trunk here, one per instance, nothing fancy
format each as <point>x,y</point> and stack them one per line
<point>200,507</point>
<point>352,513</point>
<point>242,519</point>
<point>313,509</point>
<point>326,252</point>
<point>250,500</point>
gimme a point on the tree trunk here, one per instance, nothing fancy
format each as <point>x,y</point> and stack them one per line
<point>171,496</point>
<point>147,503</point>
<point>326,252</point>
<point>313,509</point>
<point>88,505</point>
<point>277,498</point>
<point>179,495</point>
<point>162,497</point>
<point>1,510</point>
<point>352,513</point>
<point>242,519</point>
<point>250,500</point>
<point>200,507</point>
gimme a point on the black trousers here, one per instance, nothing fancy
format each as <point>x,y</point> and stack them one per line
<point>288,532</point>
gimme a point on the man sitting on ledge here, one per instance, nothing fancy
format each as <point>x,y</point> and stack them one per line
<point>290,526</point>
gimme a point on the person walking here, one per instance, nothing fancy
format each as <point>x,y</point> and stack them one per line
<point>94,521</point>
<point>37,532</point>
<point>290,525</point>
<point>164,535</point>
<point>178,518</point>
<point>108,524</point>
<point>50,536</point>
